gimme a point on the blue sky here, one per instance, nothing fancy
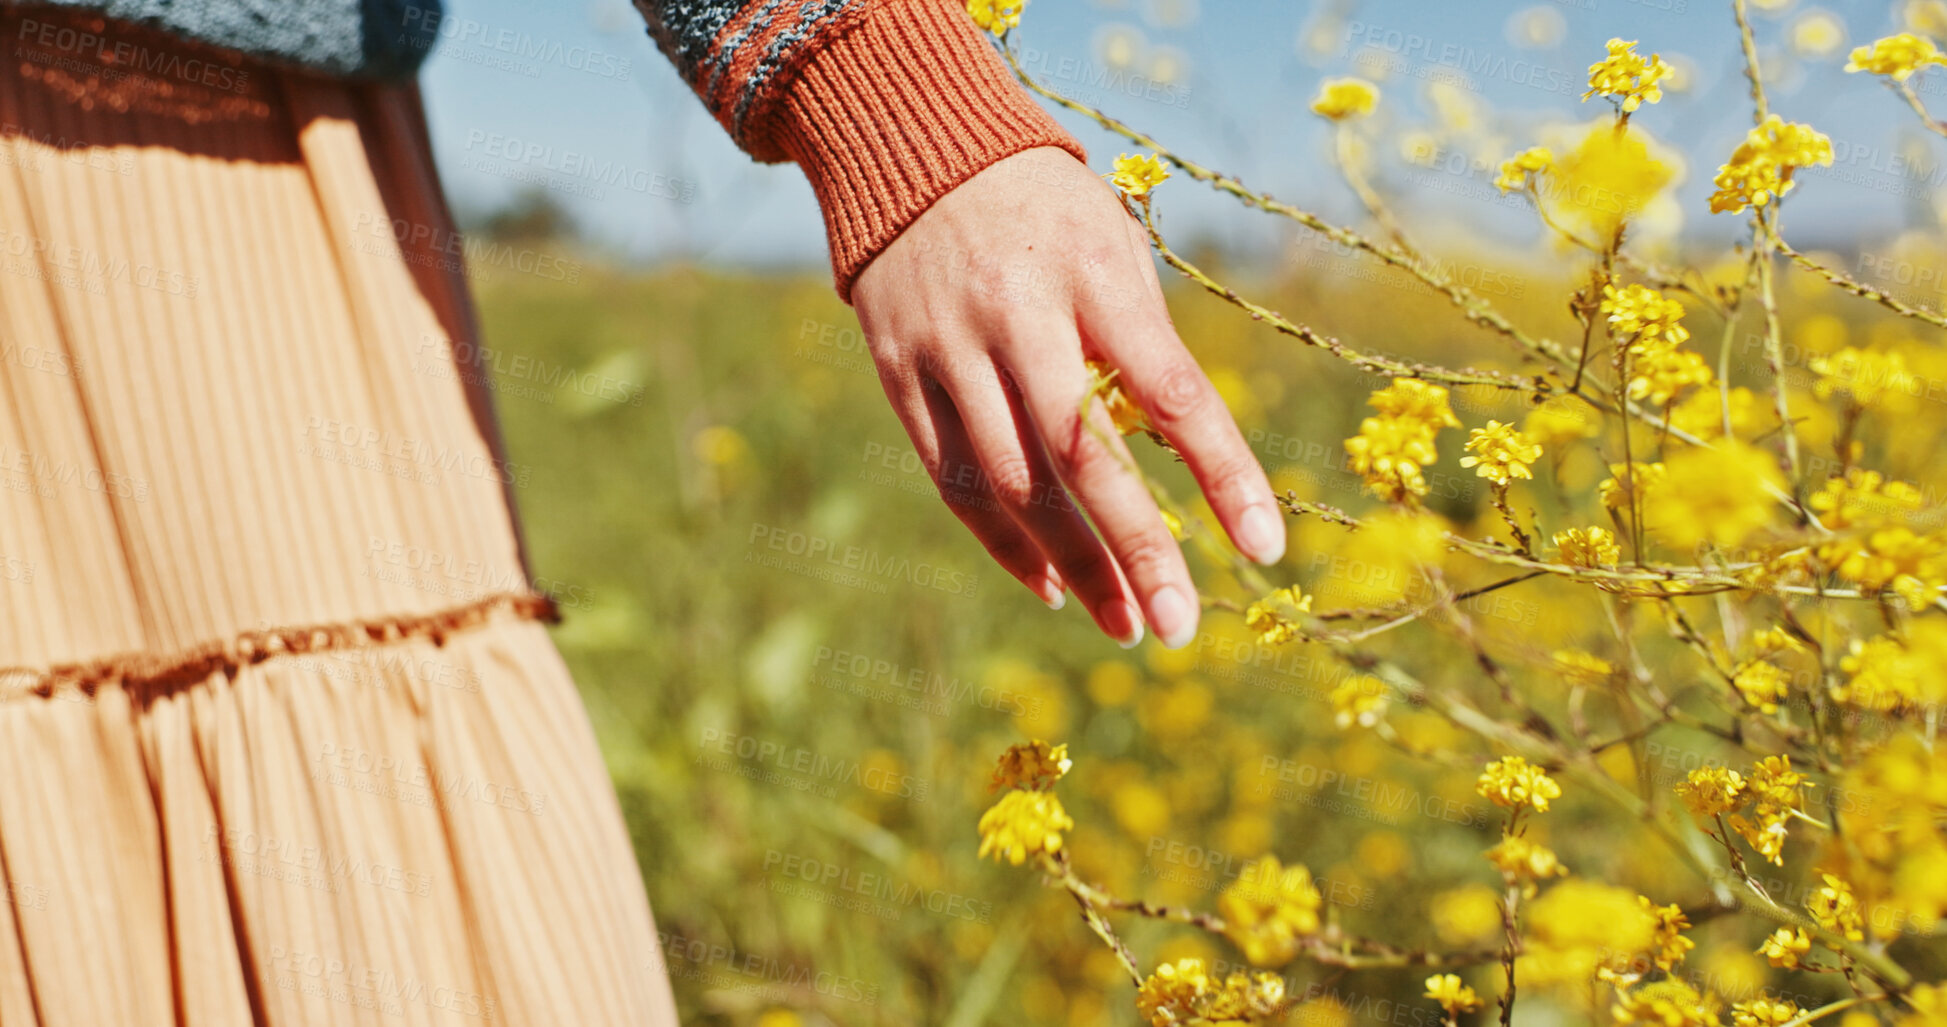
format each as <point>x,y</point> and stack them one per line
<point>572,94</point>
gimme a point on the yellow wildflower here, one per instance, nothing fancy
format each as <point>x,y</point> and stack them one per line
<point>1273,617</point>
<point>1123,411</point>
<point>1625,481</point>
<point>1359,700</point>
<point>1504,453</point>
<point>1709,791</point>
<point>1929,1002</point>
<point>1515,783</point>
<point>1516,170</point>
<point>1863,499</point>
<point>1785,947</point>
<point>1392,447</point>
<point>1761,684</point>
<point>1670,1002</point>
<point>1763,1012</point>
<point>1557,423</point>
<point>1718,494</point>
<point>1453,996</point>
<point>1641,314</point>
<point>1658,375</point>
<point>1864,376</point>
<point>1835,908</point>
<point>1761,168</point>
<point>1591,547</point>
<point>1897,57</point>
<point>1628,76</point>
<point>1137,174</point>
<point>1269,910</point>
<point>1183,992</point>
<point>1671,945</point>
<point>1343,98</point>
<point>1525,862</point>
<point>996,16</point>
<point>1034,766</point>
<point>1023,824</point>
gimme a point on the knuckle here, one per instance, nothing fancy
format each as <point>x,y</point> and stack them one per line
<point>1233,475</point>
<point>1179,393</point>
<point>1148,555</point>
<point>1011,480</point>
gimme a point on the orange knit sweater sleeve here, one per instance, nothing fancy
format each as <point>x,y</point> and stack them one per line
<point>887,105</point>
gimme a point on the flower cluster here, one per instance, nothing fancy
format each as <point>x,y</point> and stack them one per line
<point>1873,543</point>
<point>1275,617</point>
<point>1392,448</point>
<point>1453,996</point>
<point>1670,944</point>
<point>1502,453</point>
<point>1762,804</point>
<point>1525,862</point>
<point>1517,171</point>
<point>1760,169</point>
<point>1670,1002</point>
<point>1588,547</point>
<point>1341,99</point>
<point>1785,947</point>
<point>1896,57</point>
<point>1763,1012</point>
<point>1836,909</point>
<point>1035,766</point>
<point>1651,326</point>
<point>1269,910</point>
<point>1023,824</point>
<point>1627,76</point>
<point>1514,783</point>
<point>1183,993</point>
<point>1028,820</point>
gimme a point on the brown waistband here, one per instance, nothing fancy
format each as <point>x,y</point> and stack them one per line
<point>150,672</point>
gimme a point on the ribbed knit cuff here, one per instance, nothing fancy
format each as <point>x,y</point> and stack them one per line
<point>896,112</point>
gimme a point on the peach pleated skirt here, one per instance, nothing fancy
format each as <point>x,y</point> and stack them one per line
<point>283,739</point>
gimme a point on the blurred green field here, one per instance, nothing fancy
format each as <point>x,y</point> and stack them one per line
<point>802,755</point>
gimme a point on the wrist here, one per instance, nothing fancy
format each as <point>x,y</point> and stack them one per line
<point>894,113</point>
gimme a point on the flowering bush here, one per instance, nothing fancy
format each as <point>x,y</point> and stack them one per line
<point>1724,593</point>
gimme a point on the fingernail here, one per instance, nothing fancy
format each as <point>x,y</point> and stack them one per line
<point>1051,594</point>
<point>1132,636</point>
<point>1260,534</point>
<point>1173,615</point>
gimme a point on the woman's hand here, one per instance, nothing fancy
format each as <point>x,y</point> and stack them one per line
<point>980,317</point>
